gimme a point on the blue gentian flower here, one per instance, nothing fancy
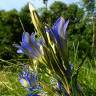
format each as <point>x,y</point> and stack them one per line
<point>59,85</point>
<point>29,79</point>
<point>59,30</point>
<point>62,89</point>
<point>29,45</point>
<point>33,95</point>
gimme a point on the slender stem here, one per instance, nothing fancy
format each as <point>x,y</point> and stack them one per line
<point>21,24</point>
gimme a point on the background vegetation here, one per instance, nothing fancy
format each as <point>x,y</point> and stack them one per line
<point>81,42</point>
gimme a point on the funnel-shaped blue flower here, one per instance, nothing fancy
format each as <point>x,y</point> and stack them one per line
<point>29,80</point>
<point>29,45</point>
<point>59,30</point>
<point>33,95</point>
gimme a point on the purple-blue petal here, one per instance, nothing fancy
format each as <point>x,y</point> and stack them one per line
<point>26,41</point>
<point>64,28</point>
<point>20,51</point>
<point>34,42</point>
<point>58,28</point>
<point>25,37</point>
<point>59,85</point>
<point>55,28</point>
<point>33,37</point>
<point>33,95</point>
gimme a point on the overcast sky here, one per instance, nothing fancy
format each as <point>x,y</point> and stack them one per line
<point>17,4</point>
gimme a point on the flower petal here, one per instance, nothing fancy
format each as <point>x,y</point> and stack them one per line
<point>64,29</point>
<point>57,28</point>
<point>20,51</point>
<point>25,37</point>
<point>24,82</point>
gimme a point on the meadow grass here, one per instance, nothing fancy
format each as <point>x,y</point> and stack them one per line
<point>87,77</point>
<point>10,85</point>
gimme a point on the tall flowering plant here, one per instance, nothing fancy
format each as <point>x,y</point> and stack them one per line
<point>50,51</point>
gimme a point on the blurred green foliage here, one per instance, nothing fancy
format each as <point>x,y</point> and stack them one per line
<point>79,30</point>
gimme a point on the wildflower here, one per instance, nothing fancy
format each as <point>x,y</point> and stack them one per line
<point>29,80</point>
<point>59,30</point>
<point>29,45</point>
<point>33,95</point>
<point>59,84</point>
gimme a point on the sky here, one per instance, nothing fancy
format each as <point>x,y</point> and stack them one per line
<point>18,4</point>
